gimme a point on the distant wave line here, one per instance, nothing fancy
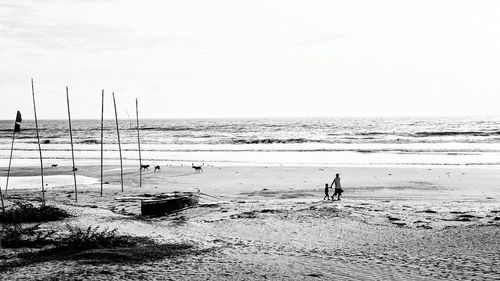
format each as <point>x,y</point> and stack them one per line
<point>360,150</point>
<point>456,133</point>
<point>215,141</point>
<point>285,164</point>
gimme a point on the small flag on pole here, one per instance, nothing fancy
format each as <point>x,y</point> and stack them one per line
<point>17,126</point>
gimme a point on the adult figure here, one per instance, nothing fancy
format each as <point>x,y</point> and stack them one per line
<point>338,188</point>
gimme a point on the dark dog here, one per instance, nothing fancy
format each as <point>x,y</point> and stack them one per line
<point>75,169</point>
<point>157,168</point>
<point>54,165</point>
<point>145,167</point>
<point>197,169</point>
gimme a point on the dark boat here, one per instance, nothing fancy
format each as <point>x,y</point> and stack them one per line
<point>168,204</point>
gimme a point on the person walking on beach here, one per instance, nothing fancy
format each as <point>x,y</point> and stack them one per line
<point>338,188</point>
<point>327,196</point>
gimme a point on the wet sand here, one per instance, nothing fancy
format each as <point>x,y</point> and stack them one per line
<point>393,223</point>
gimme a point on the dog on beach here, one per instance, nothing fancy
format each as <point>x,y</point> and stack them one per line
<point>157,168</point>
<point>197,169</point>
<point>54,165</point>
<point>145,167</point>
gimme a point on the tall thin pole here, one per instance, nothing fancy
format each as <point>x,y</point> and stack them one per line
<point>119,144</point>
<point>10,159</point>
<point>71,138</point>
<point>102,128</point>
<point>1,197</point>
<point>138,142</point>
<point>38,138</point>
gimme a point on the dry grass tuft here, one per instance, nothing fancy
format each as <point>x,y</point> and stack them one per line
<point>98,246</point>
<point>23,211</point>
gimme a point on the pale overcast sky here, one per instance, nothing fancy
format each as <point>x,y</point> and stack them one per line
<point>250,58</point>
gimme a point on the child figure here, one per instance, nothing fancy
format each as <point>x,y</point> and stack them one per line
<point>327,196</point>
<point>338,188</point>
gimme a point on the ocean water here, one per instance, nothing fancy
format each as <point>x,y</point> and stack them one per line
<point>464,141</point>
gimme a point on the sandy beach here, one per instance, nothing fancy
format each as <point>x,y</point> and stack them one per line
<point>192,140</point>
<point>261,223</point>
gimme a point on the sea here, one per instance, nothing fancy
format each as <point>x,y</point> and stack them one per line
<point>409,141</point>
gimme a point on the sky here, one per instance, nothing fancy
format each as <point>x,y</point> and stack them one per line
<point>212,59</point>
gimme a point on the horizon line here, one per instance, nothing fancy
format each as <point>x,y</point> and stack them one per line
<point>275,117</point>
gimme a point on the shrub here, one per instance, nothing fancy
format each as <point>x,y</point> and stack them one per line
<point>93,238</point>
<point>94,245</point>
<point>26,212</point>
<point>17,236</point>
<point>137,253</point>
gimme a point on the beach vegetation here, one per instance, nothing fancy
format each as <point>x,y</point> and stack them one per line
<point>95,245</point>
<point>23,211</point>
<point>93,238</point>
<point>17,236</point>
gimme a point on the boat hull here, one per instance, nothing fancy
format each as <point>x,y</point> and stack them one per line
<point>159,207</point>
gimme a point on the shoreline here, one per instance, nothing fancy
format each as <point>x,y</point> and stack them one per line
<point>464,179</point>
<point>263,158</point>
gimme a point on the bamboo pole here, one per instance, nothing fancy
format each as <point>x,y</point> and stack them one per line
<point>71,138</point>
<point>138,142</point>
<point>119,144</point>
<point>38,138</point>
<point>1,197</point>
<point>102,128</point>
<point>10,158</point>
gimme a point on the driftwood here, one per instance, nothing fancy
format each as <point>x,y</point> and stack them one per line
<point>134,198</point>
<point>146,196</point>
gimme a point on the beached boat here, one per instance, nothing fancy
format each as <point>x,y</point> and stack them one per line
<point>168,204</point>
